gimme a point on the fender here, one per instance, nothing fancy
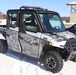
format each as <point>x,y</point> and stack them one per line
<point>2,37</point>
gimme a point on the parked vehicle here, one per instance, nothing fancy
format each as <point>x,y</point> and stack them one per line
<point>72,29</point>
<point>39,33</point>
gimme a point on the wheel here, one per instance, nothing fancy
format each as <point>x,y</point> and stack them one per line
<point>3,47</point>
<point>53,62</point>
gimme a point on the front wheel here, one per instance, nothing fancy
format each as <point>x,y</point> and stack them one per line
<point>53,62</point>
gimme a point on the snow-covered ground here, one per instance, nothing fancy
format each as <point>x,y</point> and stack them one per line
<point>13,63</point>
<point>2,21</point>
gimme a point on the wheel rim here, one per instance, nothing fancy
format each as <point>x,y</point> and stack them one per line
<point>51,63</point>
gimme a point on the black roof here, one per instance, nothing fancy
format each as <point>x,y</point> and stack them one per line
<point>36,9</point>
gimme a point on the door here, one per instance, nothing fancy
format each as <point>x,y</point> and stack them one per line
<point>12,31</point>
<point>29,34</point>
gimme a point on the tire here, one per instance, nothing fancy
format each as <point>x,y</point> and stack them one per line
<point>53,62</point>
<point>3,46</point>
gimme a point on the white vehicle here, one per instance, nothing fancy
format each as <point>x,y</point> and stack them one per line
<point>39,33</point>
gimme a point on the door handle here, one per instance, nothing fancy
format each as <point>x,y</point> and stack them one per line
<point>7,34</point>
<point>35,43</point>
<point>20,37</point>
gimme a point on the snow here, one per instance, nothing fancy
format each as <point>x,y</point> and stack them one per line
<point>2,21</point>
<point>70,3</point>
<point>13,63</point>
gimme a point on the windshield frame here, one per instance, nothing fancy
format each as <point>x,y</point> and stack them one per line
<point>63,27</point>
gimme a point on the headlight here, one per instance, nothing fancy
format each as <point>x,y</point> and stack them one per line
<point>50,43</point>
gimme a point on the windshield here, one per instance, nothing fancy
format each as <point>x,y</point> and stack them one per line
<point>52,22</point>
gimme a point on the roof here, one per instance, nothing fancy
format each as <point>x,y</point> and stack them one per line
<point>36,9</point>
<point>71,3</point>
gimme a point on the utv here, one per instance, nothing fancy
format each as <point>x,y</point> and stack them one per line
<point>39,33</point>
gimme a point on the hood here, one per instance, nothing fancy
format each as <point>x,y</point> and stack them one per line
<point>66,35</point>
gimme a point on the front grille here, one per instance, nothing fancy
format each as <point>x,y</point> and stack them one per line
<point>71,45</point>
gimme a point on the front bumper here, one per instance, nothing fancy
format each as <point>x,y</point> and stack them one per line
<point>70,46</point>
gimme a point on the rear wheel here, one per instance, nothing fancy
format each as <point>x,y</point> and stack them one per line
<point>53,62</point>
<point>3,46</point>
